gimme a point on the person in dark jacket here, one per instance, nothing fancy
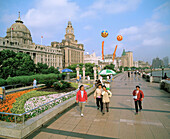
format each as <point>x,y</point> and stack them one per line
<point>138,96</point>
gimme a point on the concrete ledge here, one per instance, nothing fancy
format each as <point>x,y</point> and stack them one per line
<point>12,130</point>
<point>165,84</point>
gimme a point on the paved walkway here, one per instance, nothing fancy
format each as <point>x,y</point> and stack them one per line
<point>152,123</point>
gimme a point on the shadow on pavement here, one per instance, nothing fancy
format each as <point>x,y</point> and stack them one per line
<point>120,108</point>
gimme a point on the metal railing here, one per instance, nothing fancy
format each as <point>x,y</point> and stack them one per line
<point>69,95</point>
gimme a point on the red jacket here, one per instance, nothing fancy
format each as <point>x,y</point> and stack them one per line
<point>139,95</point>
<point>80,98</point>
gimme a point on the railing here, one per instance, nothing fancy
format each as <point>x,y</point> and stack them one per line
<point>52,103</point>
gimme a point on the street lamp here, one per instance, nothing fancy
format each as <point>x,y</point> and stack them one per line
<point>162,71</point>
<point>151,70</point>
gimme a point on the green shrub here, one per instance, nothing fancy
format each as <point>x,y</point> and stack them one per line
<point>57,86</point>
<point>2,82</point>
<point>49,83</point>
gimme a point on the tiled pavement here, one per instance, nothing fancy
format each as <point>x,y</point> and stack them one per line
<point>152,123</point>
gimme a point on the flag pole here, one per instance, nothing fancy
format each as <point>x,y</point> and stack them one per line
<point>11,34</point>
<point>41,40</point>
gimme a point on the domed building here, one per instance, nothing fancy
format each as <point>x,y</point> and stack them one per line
<point>18,39</point>
<point>19,32</point>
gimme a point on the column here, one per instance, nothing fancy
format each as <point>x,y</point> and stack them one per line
<point>94,68</point>
<point>122,69</point>
<point>77,69</point>
<point>99,69</point>
<point>84,72</point>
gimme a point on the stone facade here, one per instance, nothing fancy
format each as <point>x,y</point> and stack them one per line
<point>127,59</point>
<point>73,53</point>
<point>18,39</point>
<point>91,58</point>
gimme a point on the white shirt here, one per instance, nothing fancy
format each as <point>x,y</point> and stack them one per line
<point>34,82</point>
<point>137,91</point>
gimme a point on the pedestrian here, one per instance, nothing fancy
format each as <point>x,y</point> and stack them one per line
<point>108,78</point>
<point>111,78</point>
<point>98,97</point>
<point>81,98</point>
<point>35,83</point>
<point>138,96</point>
<point>101,79</point>
<point>106,94</point>
<point>79,77</point>
<point>165,76</point>
<point>128,74</point>
<point>2,94</point>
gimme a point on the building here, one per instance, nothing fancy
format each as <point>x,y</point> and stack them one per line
<point>73,53</point>
<point>18,39</point>
<point>91,58</point>
<point>141,64</point>
<point>135,64</point>
<point>166,61</point>
<point>127,59</point>
<point>157,63</point>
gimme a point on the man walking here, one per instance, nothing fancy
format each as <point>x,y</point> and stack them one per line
<point>138,96</point>
<point>35,83</point>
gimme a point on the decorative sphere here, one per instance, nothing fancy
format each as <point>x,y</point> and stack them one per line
<point>119,37</point>
<point>104,33</point>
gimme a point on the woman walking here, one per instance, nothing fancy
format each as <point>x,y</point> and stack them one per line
<point>138,98</point>
<point>81,98</point>
<point>106,94</point>
<point>98,97</point>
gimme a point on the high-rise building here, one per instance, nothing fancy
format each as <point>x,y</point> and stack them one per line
<point>166,61</point>
<point>18,39</point>
<point>157,63</point>
<point>73,53</point>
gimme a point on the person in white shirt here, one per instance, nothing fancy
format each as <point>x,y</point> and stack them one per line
<point>108,78</point>
<point>106,95</point>
<point>98,97</point>
<point>101,79</point>
<point>35,83</point>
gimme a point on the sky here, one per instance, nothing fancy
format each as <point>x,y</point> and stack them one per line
<point>144,24</point>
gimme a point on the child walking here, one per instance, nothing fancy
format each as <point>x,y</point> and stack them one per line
<point>81,98</point>
<point>106,94</point>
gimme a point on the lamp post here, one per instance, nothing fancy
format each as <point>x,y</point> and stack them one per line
<point>162,71</point>
<point>151,70</point>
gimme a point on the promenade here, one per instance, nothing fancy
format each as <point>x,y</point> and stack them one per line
<point>121,122</point>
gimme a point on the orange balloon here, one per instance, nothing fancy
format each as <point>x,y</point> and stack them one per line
<point>119,37</point>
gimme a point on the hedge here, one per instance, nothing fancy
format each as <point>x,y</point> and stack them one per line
<point>2,82</point>
<point>27,80</point>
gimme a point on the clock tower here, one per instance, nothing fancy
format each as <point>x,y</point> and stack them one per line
<point>69,36</point>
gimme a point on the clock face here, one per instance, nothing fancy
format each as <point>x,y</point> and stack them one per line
<point>68,31</point>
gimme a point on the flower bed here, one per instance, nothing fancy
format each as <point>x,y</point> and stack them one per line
<point>7,104</point>
<point>27,100</point>
<point>37,101</point>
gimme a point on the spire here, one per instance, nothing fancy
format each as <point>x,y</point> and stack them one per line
<point>19,16</point>
<point>69,23</point>
<point>19,19</point>
<point>124,53</point>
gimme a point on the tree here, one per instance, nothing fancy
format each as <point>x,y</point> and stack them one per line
<point>15,64</point>
<point>41,68</point>
<point>111,66</point>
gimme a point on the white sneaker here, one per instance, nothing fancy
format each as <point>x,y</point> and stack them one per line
<point>82,115</point>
